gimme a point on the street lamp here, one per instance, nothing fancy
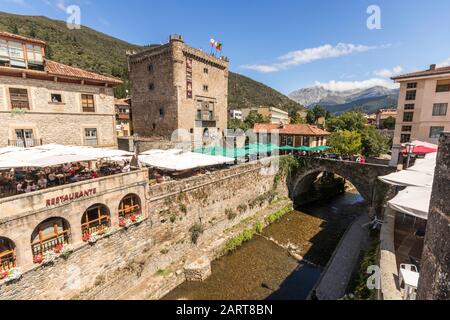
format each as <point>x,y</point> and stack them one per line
<point>409,151</point>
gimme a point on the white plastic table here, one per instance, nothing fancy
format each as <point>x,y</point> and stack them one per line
<point>411,280</point>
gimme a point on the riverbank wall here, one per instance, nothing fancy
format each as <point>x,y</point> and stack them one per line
<point>186,220</point>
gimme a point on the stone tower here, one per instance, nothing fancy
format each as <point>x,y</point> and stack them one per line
<point>175,86</point>
<point>434,283</point>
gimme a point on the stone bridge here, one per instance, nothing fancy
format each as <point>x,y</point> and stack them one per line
<point>363,176</point>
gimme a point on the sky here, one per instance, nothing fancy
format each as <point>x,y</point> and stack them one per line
<point>286,44</point>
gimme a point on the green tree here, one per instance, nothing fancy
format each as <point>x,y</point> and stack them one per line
<point>296,118</point>
<point>315,113</point>
<point>14,29</point>
<point>374,142</point>
<point>254,117</point>
<point>345,142</point>
<point>350,121</point>
<point>389,123</point>
<point>237,124</point>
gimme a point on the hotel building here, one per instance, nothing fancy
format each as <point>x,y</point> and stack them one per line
<point>43,101</point>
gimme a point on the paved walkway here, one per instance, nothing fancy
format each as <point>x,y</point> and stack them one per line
<point>334,281</point>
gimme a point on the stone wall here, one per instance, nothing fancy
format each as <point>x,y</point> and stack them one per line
<point>434,283</point>
<point>115,266</point>
<point>61,123</point>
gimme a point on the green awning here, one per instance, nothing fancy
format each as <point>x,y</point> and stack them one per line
<point>321,148</point>
<point>288,148</point>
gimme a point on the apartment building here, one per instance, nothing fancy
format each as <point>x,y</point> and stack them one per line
<point>422,112</point>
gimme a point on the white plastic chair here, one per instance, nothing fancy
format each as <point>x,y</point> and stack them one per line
<point>408,267</point>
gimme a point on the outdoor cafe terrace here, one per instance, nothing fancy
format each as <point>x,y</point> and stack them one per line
<point>26,170</point>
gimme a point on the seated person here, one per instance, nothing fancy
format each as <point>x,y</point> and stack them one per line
<point>20,187</point>
<point>52,178</point>
<point>42,182</point>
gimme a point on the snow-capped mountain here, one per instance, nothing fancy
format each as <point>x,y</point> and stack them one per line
<point>319,95</point>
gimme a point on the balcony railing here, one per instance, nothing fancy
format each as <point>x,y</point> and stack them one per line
<point>7,260</point>
<point>25,143</point>
<point>48,245</point>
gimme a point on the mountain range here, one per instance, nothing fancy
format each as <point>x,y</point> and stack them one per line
<point>368,100</point>
<point>98,52</point>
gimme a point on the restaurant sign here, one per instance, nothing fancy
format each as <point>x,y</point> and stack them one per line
<point>69,197</point>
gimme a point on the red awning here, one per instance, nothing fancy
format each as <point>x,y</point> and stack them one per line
<point>421,150</point>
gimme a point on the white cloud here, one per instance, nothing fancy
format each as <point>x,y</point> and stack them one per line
<point>308,55</point>
<point>334,85</point>
<point>445,63</point>
<point>388,73</point>
<point>21,3</point>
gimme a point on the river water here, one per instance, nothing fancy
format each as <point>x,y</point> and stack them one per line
<point>263,268</point>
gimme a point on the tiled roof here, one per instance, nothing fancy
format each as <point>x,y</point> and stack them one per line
<point>294,129</point>
<point>121,102</point>
<point>429,72</point>
<point>59,69</point>
<point>21,38</point>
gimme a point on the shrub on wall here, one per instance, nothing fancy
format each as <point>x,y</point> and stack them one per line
<point>196,230</point>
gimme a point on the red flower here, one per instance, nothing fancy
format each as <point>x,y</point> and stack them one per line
<point>133,218</point>
<point>58,248</point>
<point>122,222</point>
<point>38,259</point>
<point>86,237</point>
<point>3,274</point>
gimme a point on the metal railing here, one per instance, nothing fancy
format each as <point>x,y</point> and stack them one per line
<point>25,143</point>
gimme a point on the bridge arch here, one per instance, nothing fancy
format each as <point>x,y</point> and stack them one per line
<point>363,176</point>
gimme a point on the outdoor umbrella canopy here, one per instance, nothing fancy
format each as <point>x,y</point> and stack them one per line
<point>409,178</point>
<point>59,159</point>
<point>413,201</point>
<point>420,150</point>
<point>320,148</point>
<point>288,148</point>
<point>182,161</point>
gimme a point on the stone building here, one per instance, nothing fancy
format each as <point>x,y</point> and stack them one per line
<point>174,86</point>
<point>124,120</point>
<point>43,101</point>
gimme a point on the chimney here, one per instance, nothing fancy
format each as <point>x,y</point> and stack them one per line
<point>432,67</point>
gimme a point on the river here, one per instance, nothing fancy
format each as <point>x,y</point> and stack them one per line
<point>264,268</point>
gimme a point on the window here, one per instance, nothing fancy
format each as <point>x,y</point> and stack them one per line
<point>130,205</point>
<point>408,116</point>
<point>161,112</point>
<point>25,138</point>
<point>150,67</point>
<point>95,220</point>
<point>306,141</point>
<point>406,128</point>
<point>90,137</point>
<point>205,70</point>
<point>205,88</point>
<point>411,95</point>
<point>435,132</point>
<point>198,115</point>
<point>19,98</point>
<point>411,85</point>
<point>443,86</point>
<point>409,106</point>
<point>210,115</point>
<point>154,126</point>
<point>440,109</point>
<point>151,86</point>
<point>404,138</point>
<point>56,98</point>
<point>87,102</point>
<point>7,254</point>
<point>49,235</point>
<point>16,55</point>
<point>34,55</point>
